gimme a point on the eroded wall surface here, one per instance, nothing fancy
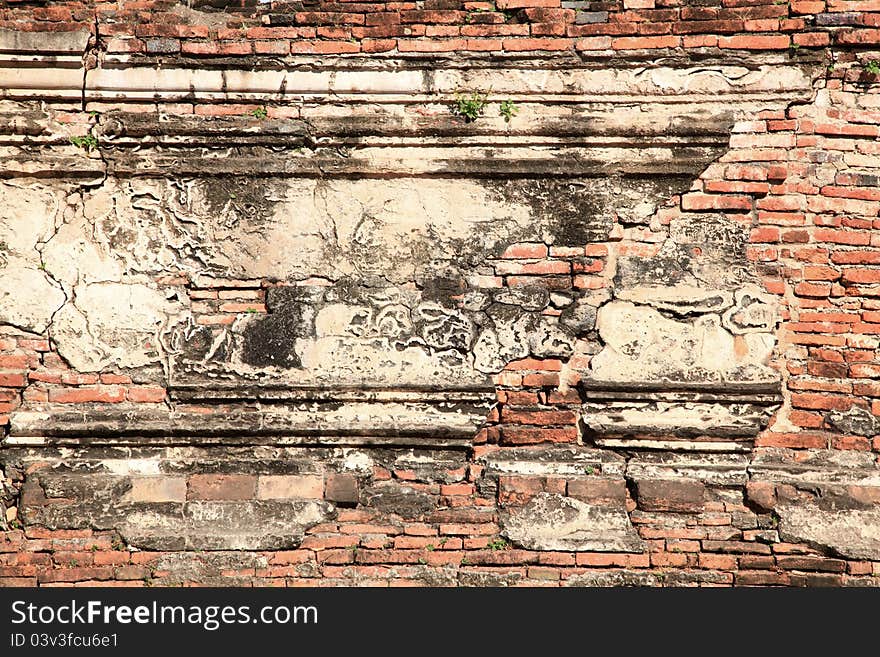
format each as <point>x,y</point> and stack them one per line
<point>275,310</point>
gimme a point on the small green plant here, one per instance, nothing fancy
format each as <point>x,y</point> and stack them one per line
<point>465,562</point>
<point>470,106</point>
<point>117,544</point>
<point>251,311</point>
<point>497,544</point>
<point>590,470</point>
<point>508,110</point>
<point>87,142</point>
<point>260,113</point>
<point>872,67</point>
<point>430,548</point>
<point>423,561</point>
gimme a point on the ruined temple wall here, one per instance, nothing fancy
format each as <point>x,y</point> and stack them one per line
<point>626,337</point>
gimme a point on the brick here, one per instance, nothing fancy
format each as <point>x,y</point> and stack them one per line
<point>756,562</point>
<point>470,529</point>
<point>75,574</point>
<point>861,276</point>
<point>280,487</point>
<point>342,488</point>
<point>332,543</point>
<point>756,42</point>
<point>736,547</point>
<point>697,201</point>
<point>764,234</point>
<point>103,394</point>
<point>802,440</point>
<point>604,559</point>
<point>326,47</point>
<point>668,559</point>
<point>525,250</point>
<point>222,487</point>
<point>431,45</point>
<point>597,490</point>
<point>146,394</point>
<point>17,582</point>
<point>157,489</point>
<point>368,528</point>
<point>33,344</point>
<point>114,558</point>
<point>761,578</point>
<point>457,489</point>
<point>13,379</point>
<point>539,417</point>
<point>812,289</point>
<point>519,45</point>
<point>533,268</point>
<point>593,43</point>
<point>680,495</point>
<point>645,43</point>
<point>716,561</point>
<point>821,401</point>
<point>520,435</point>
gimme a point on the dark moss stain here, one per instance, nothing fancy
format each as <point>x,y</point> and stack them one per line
<point>197,345</point>
<point>444,287</point>
<point>672,268</point>
<point>566,207</point>
<point>271,341</point>
<point>233,199</point>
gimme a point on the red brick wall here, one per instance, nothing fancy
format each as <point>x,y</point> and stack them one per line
<point>804,181</point>
<point>247,28</point>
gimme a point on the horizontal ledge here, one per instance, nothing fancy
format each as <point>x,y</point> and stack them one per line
<point>210,390</point>
<point>415,140</point>
<point>329,96</point>
<point>684,432</point>
<point>467,59</point>
<point>461,162</point>
<point>239,441</point>
<point>305,416</point>
<point>365,162</point>
<point>674,445</point>
<point>757,398</point>
<point>400,81</point>
<point>415,97</point>
<point>738,388</point>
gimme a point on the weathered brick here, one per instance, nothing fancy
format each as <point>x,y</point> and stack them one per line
<point>157,489</point>
<point>680,495</point>
<point>342,488</point>
<point>222,487</point>
<point>275,487</point>
<point>597,490</point>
